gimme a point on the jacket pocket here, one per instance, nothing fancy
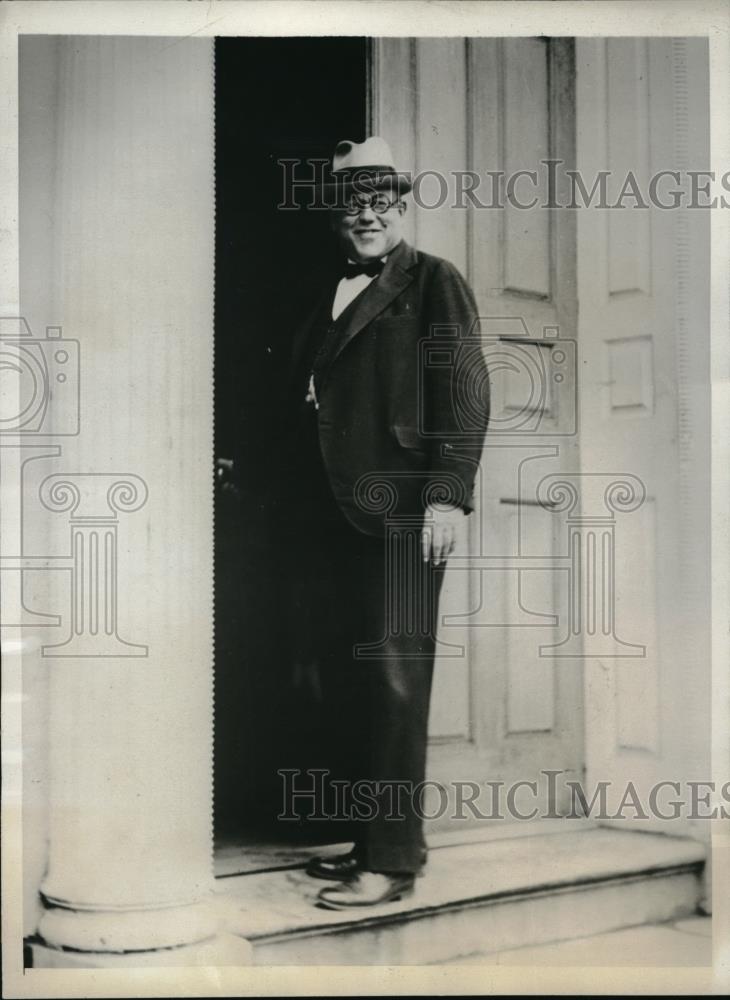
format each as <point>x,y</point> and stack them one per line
<point>410,438</point>
<point>404,324</point>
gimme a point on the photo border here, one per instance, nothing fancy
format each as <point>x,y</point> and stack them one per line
<point>353,17</point>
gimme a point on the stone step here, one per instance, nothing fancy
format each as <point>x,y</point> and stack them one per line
<point>243,856</point>
<point>475,897</point>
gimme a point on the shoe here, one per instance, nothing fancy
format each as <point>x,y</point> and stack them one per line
<point>367,889</point>
<point>339,867</point>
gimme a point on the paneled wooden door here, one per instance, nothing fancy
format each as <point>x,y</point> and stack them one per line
<point>642,106</point>
<point>505,707</point>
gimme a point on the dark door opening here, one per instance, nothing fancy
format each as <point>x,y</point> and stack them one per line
<point>275,98</point>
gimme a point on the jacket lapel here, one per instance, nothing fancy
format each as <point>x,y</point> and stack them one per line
<point>395,276</point>
<point>303,333</point>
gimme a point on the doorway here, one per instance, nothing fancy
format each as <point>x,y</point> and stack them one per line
<point>500,711</point>
<point>275,98</point>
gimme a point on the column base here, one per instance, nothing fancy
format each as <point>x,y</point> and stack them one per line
<point>127,930</point>
<point>220,951</point>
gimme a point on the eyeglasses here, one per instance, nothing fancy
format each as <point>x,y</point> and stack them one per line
<point>379,203</point>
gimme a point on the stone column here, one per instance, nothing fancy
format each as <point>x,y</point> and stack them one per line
<point>129,669</point>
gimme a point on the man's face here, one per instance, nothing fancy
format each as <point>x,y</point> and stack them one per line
<point>368,234</point>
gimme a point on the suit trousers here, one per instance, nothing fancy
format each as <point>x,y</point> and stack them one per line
<point>364,614</point>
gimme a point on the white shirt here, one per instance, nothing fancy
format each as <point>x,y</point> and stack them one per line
<point>348,289</point>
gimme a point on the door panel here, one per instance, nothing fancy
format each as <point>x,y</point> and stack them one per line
<point>525,114</point>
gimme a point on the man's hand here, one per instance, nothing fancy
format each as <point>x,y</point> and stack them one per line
<point>224,475</point>
<point>441,526</point>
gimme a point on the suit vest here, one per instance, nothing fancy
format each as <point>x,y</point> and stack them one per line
<point>307,464</point>
<point>323,340</point>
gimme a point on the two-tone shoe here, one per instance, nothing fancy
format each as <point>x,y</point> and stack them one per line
<point>366,889</point>
<point>337,868</point>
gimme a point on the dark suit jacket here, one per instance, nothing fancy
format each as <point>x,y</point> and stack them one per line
<point>404,402</point>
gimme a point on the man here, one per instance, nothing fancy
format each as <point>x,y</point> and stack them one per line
<point>385,449</point>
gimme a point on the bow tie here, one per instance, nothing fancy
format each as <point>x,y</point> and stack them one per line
<point>372,268</point>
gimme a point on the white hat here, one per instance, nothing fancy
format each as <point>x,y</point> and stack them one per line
<point>367,165</point>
